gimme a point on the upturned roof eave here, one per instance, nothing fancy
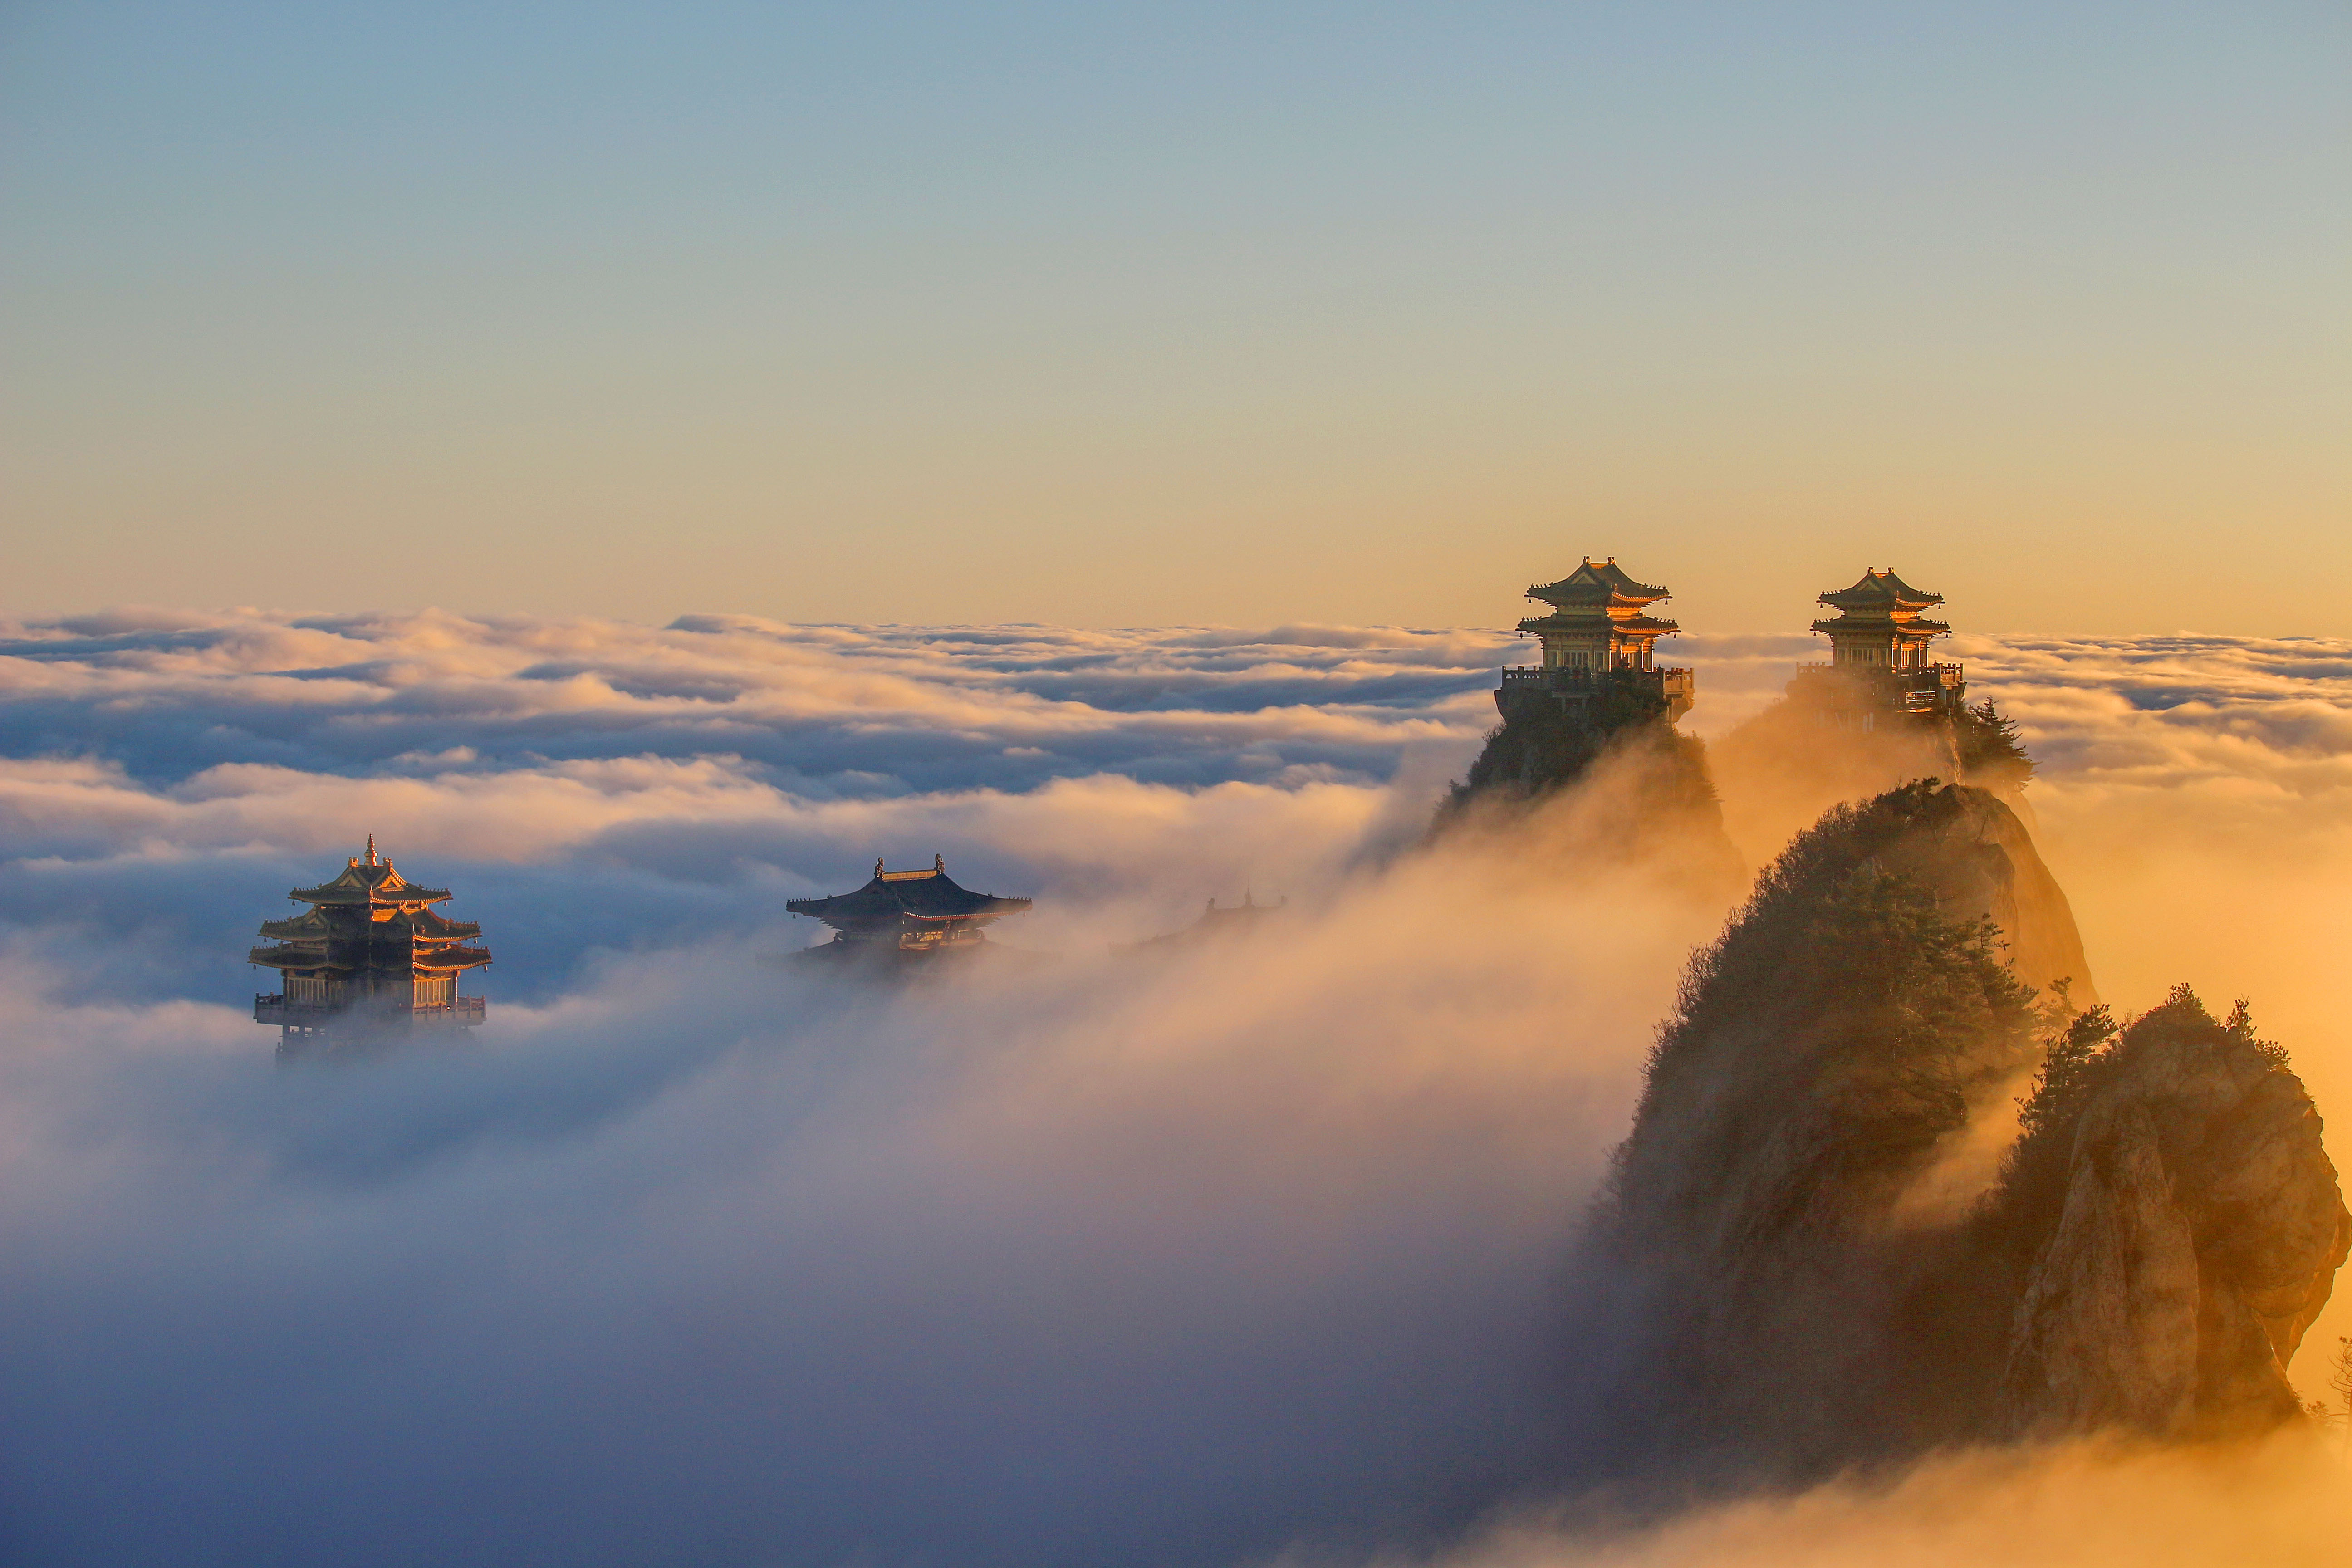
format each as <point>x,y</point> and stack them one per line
<point>450,959</point>
<point>333,897</point>
<point>1645,625</point>
<point>1884,626</point>
<point>422,925</point>
<point>997,908</point>
<point>453,959</point>
<point>926,895</point>
<point>1880,590</point>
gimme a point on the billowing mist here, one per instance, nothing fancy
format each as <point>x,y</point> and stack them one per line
<point>694,1256</point>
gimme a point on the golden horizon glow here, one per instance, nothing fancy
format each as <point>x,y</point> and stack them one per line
<point>1245,318</point>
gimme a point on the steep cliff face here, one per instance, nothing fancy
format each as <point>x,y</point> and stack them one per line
<point>1969,847</point>
<point>1541,746</point>
<point>2183,1227</point>
<point>1826,1051</point>
<point>2147,1255</point>
<point>1620,786</point>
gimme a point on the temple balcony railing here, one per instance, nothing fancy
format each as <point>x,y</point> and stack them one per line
<point>1573,684</point>
<point>1925,689</point>
<point>463,1013</point>
<point>1577,677</point>
<point>1928,674</point>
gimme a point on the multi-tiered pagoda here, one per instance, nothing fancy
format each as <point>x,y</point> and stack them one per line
<point>910,913</point>
<point>370,954</point>
<point>1599,642</point>
<point>1879,664</point>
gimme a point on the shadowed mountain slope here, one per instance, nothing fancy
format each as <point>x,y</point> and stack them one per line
<point>1816,1252</point>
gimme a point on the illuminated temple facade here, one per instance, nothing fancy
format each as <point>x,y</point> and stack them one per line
<point>370,954</point>
<point>1599,642</point>
<point>910,913</point>
<point>1880,667</point>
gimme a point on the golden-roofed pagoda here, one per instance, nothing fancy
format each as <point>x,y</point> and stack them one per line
<point>370,953</point>
<point>1878,624</point>
<point>909,912</point>
<point>1879,654</point>
<point>1598,639</point>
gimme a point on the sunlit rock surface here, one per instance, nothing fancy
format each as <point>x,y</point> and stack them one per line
<point>2198,1236</point>
<point>1816,1252</point>
<point>1827,1051</point>
<point>1969,848</point>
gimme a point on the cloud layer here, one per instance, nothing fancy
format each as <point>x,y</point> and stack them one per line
<point>696,1260</point>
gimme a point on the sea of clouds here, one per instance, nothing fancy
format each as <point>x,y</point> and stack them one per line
<point>693,1258</point>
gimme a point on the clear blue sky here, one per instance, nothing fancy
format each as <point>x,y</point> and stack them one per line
<point>1117,314</point>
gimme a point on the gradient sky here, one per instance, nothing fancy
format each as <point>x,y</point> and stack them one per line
<point>1110,315</point>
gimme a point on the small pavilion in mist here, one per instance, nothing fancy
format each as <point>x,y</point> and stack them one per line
<point>1231,924</point>
<point>369,955</point>
<point>910,913</point>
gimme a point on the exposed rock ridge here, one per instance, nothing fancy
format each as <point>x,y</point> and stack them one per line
<point>1627,790</point>
<point>2147,1255</point>
<point>2190,1236</point>
<point>1826,1052</point>
<point>1969,849</point>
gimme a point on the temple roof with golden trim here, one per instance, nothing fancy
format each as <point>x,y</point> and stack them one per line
<point>1881,592</point>
<point>931,895</point>
<point>1596,584</point>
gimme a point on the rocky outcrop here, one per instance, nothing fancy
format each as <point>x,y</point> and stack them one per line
<point>1542,746</point>
<point>1785,1297</point>
<point>1968,847</point>
<point>2190,1237</point>
<point>1631,791</point>
<point>1827,1052</point>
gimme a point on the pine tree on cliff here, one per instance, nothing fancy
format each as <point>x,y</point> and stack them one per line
<point>1845,967</point>
<point>1992,754</point>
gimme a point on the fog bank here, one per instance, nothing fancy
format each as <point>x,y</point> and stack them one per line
<point>693,1258</point>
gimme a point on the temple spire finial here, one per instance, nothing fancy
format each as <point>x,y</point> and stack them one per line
<point>370,855</point>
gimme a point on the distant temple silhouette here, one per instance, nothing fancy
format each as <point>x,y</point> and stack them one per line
<point>1879,669</point>
<point>910,913</point>
<point>1234,922</point>
<point>370,955</point>
<point>1599,649</point>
